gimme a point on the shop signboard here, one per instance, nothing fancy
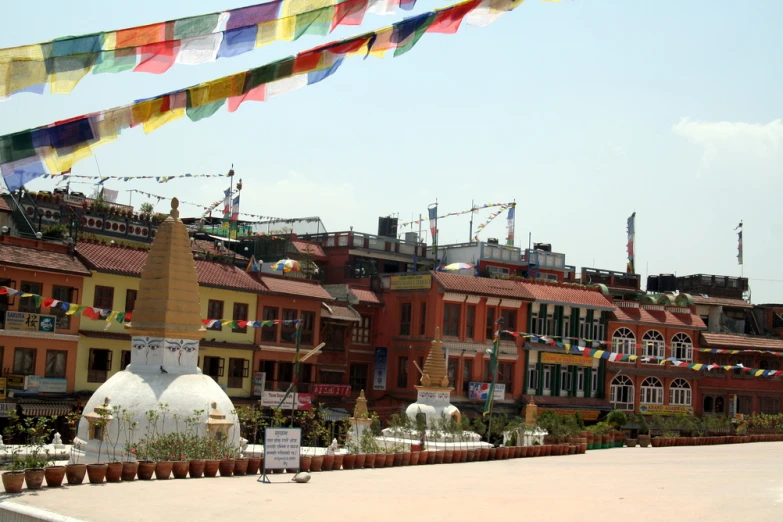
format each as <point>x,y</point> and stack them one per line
<point>6,408</point>
<point>335,390</point>
<point>271,399</point>
<point>410,282</point>
<point>665,409</point>
<point>259,382</point>
<point>379,372</point>
<point>281,449</point>
<point>566,360</point>
<point>480,391</point>
<point>22,321</point>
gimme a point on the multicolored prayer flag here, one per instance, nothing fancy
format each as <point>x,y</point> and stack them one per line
<point>631,239</point>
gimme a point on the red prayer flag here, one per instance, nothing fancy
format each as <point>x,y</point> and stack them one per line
<point>157,58</point>
<point>349,13</point>
<point>138,36</point>
<point>449,20</point>
<point>254,94</point>
<point>3,290</point>
<point>47,302</point>
<point>306,62</point>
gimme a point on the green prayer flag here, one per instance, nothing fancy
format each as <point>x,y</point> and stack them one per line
<point>115,61</point>
<point>415,37</point>
<point>204,111</point>
<point>195,26</point>
<point>316,22</point>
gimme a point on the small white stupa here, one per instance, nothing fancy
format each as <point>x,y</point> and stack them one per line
<point>434,394</point>
<point>165,332</point>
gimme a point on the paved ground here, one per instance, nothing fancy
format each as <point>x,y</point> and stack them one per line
<point>731,482</point>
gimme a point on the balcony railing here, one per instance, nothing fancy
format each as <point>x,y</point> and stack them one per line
<point>352,239</point>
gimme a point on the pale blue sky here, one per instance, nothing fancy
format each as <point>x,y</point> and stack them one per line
<point>581,111</point>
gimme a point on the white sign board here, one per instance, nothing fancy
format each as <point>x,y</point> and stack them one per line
<point>281,448</point>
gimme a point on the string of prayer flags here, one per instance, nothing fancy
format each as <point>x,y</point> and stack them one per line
<point>211,323</point>
<point>738,352</point>
<point>474,209</point>
<point>57,147</point>
<point>91,312</point>
<point>103,179</point>
<point>489,219</point>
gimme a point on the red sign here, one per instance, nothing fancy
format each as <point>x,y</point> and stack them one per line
<point>340,390</point>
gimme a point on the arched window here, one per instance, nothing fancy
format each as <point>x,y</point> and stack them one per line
<point>621,393</point>
<point>680,393</point>
<point>682,347</point>
<point>652,391</point>
<point>653,345</point>
<point>709,404</point>
<point>623,341</point>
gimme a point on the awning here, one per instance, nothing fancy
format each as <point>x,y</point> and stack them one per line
<point>46,409</point>
<point>335,414</point>
<point>225,239</point>
<point>340,312</point>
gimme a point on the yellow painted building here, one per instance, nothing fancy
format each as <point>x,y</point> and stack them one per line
<point>226,293</point>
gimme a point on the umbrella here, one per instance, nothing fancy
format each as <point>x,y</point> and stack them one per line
<point>287,265</point>
<point>458,266</point>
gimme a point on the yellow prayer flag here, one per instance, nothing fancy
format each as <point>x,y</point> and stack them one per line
<point>295,7</point>
<point>158,121</point>
<point>218,90</point>
<point>18,75</point>
<point>272,31</point>
<point>67,73</point>
<point>72,309</point>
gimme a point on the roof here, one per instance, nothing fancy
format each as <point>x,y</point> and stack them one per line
<point>309,249</point>
<point>130,261</point>
<point>568,295</point>
<point>4,206</point>
<point>366,296</point>
<point>284,285</point>
<point>482,286</point>
<point>572,402</point>
<point>737,341</point>
<point>720,301</point>
<point>339,312</point>
<point>657,318</point>
<point>40,259</point>
<point>203,246</point>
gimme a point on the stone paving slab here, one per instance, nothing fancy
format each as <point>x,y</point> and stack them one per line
<point>715,483</point>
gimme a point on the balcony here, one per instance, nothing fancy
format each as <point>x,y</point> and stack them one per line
<point>612,279</point>
<point>713,285</point>
<point>372,243</point>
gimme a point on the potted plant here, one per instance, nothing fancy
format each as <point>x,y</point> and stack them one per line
<point>97,472</point>
<point>256,422</point>
<point>129,465</point>
<point>115,465</point>
<point>74,471</point>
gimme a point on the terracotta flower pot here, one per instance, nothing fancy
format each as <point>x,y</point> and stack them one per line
<point>305,462</point>
<point>253,465</point>
<point>211,468</point>
<point>114,472</point>
<point>317,463</point>
<point>181,469</point>
<point>471,455</point>
<point>369,460</point>
<point>328,463</point>
<point>240,466</point>
<point>129,470</point>
<point>406,458</point>
<point>389,460</point>
<point>397,461</point>
<point>13,481</point>
<point>432,456</point>
<point>644,441</point>
<point>34,478</point>
<point>413,460</point>
<point>360,461</point>
<point>146,470</point>
<point>163,469</point>
<point>96,473</point>
<point>484,454</point>
<point>630,443</point>
<point>572,449</point>
<point>349,461</point>
<point>448,456</point>
<point>380,460</point>
<point>196,468</point>
<point>54,476</point>
<point>227,467</point>
<point>74,473</point>
<point>338,462</point>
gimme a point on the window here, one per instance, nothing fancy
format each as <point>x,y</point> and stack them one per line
<point>451,320</point>
<point>594,383</point>
<point>55,363</point>
<point>402,372</point>
<point>745,404</point>
<point>357,376</point>
<point>769,405</point>
<point>328,377</point>
<point>490,324</point>
<point>125,359</point>
<point>583,334</point>
<point>652,346</point>
<point>566,325</point>
<point>405,319</point>
<point>24,361</point>
<point>537,324</point>
<point>308,327</point>
<point>580,380</point>
<point>550,324</point>
<point>99,365</point>
<point>598,329</point>
<point>240,314</point>
<point>509,323</point>
<point>682,348</point>
<point>532,376</point>
<point>623,342</point>
<point>104,297</point>
<point>269,333</point>
<point>547,377</point>
<point>215,311</point>
<point>285,374</point>
<point>27,304</point>
<point>213,366</point>
<point>361,332</point>
<point>565,380</point>
<point>423,319</point>
<point>238,370</point>
<point>334,337</point>
<point>130,300</point>
<point>680,393</point>
<point>470,320</point>
<point>64,294</point>
<point>452,372</point>
<point>467,375</point>
<point>621,393</point>
<point>709,404</point>
<point>652,391</point>
<point>506,376</point>
<point>288,331</point>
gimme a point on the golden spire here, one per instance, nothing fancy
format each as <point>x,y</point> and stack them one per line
<point>435,371</point>
<point>360,411</point>
<point>167,304</point>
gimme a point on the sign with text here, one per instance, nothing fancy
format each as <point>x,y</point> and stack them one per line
<point>588,415</point>
<point>565,360</point>
<point>668,409</point>
<point>6,408</point>
<point>379,372</point>
<point>3,385</point>
<point>259,382</point>
<point>25,322</point>
<point>336,390</point>
<point>16,382</point>
<point>50,385</point>
<point>433,397</point>
<point>281,448</point>
<point>410,282</point>
<point>271,399</point>
<point>480,391</point>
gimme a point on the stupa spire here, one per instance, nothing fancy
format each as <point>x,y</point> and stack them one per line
<point>435,371</point>
<point>167,305</point>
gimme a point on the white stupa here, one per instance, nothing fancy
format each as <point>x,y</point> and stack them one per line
<point>165,332</point>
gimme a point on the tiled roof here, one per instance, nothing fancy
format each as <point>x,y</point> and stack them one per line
<point>284,285</point>
<point>339,312</point>
<point>720,301</point>
<point>738,342</point>
<point>562,294</point>
<point>203,246</point>
<point>4,206</point>
<point>657,317</point>
<point>366,296</point>
<point>308,249</point>
<point>571,402</point>
<point>130,261</point>
<point>482,286</point>
<point>34,258</point>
